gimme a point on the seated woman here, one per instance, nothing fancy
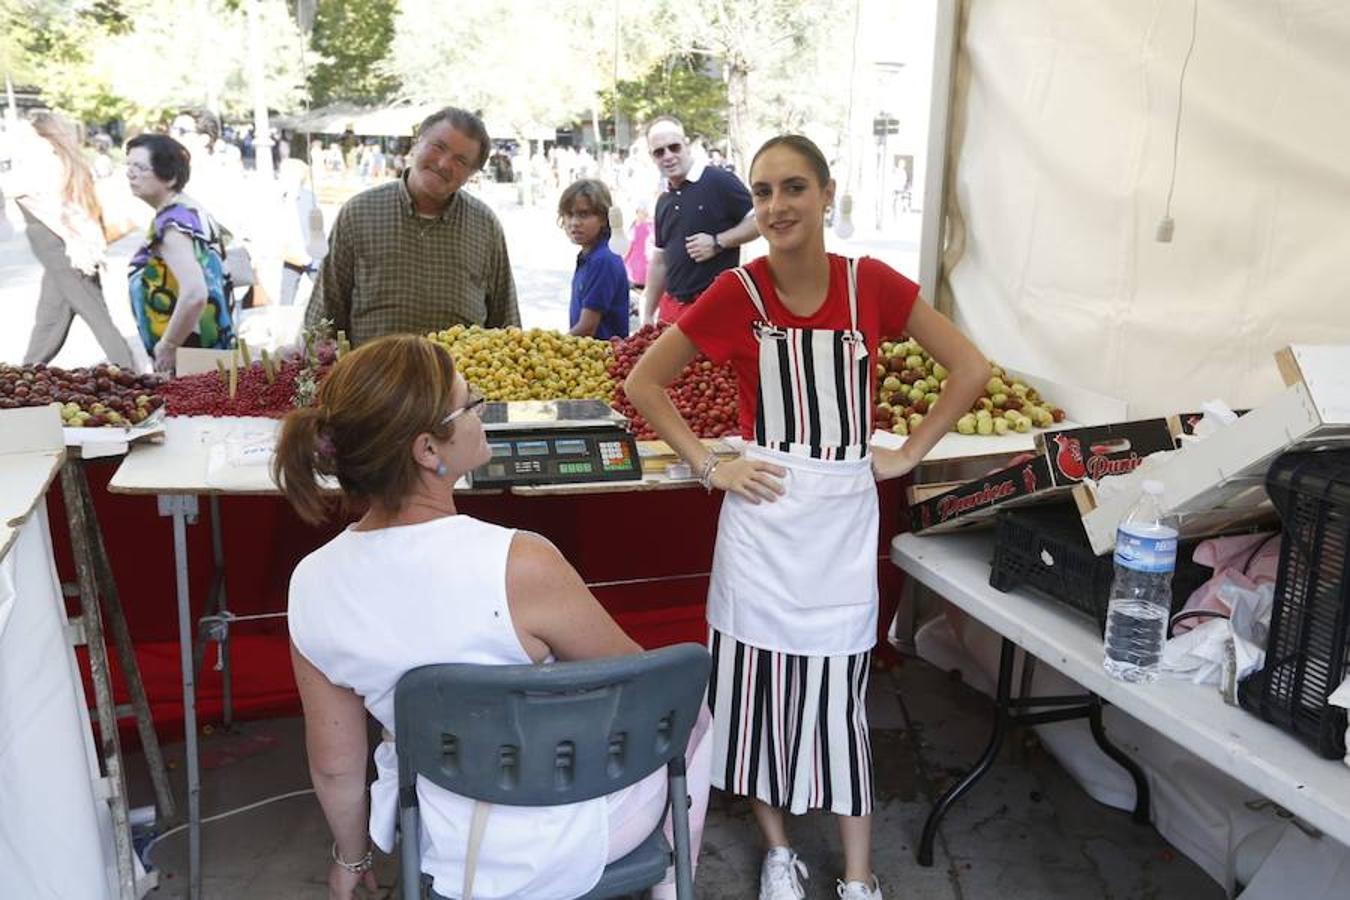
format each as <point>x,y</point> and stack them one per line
<point>414,583</point>
<point>177,282</point>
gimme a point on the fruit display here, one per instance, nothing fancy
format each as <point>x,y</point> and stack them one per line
<point>265,386</point>
<point>705,393</point>
<point>102,395</point>
<point>538,364</point>
<point>910,382</point>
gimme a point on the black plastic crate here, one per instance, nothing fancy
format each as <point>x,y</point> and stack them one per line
<point>1046,548</point>
<point>1306,653</point>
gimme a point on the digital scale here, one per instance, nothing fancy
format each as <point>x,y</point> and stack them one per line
<point>556,442</point>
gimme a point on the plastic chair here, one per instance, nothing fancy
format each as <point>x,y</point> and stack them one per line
<point>545,735</point>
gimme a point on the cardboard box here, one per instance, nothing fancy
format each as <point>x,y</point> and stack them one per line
<point>1218,484</point>
<point>1062,458</point>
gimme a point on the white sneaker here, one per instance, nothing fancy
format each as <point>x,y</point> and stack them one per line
<point>781,876</point>
<point>858,890</point>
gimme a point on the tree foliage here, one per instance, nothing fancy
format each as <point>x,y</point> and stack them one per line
<point>142,60</point>
<point>785,62</point>
<point>679,86</point>
<point>354,38</point>
<point>50,44</point>
<point>526,65</point>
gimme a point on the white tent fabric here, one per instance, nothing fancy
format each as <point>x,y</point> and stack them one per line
<point>1063,137</point>
<point>56,837</point>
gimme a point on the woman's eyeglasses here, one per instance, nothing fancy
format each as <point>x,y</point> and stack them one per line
<point>658,152</point>
<point>474,405</point>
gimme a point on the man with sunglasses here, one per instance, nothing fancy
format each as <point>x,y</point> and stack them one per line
<point>703,216</point>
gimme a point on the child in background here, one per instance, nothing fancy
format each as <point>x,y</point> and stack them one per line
<point>600,283</point>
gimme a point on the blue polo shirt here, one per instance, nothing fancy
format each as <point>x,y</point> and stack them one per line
<point>709,201</point>
<point>600,282</point>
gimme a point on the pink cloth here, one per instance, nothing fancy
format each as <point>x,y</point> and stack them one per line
<point>1244,560</point>
<point>639,251</point>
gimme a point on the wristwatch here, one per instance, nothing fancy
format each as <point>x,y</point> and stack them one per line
<point>717,245</point>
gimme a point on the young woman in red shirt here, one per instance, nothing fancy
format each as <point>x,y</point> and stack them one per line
<point>792,601</point>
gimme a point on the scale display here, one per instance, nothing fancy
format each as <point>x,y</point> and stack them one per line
<point>556,442</point>
<point>559,457</point>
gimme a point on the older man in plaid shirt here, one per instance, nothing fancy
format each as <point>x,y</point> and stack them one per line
<point>419,254</point>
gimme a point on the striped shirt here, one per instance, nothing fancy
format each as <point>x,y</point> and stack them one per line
<point>391,271</point>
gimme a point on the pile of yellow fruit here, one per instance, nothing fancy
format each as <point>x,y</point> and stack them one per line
<point>511,364</point>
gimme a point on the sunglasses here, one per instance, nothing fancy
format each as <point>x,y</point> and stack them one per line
<point>658,152</point>
<point>474,404</point>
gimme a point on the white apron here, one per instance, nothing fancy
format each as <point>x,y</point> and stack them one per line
<point>799,574</point>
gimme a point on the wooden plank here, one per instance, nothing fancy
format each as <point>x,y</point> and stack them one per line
<point>918,493</point>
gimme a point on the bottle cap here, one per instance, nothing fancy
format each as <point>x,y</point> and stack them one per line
<point>1153,487</point>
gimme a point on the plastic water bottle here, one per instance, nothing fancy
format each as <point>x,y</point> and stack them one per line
<point>1141,594</point>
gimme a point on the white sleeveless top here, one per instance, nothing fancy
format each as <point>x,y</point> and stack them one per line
<point>370,605</point>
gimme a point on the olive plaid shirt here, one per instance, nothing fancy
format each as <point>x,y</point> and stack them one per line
<point>390,271</point>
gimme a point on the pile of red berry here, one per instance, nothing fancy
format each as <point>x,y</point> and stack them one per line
<point>208,393</point>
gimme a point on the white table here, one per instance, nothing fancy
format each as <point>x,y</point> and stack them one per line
<point>1259,755</point>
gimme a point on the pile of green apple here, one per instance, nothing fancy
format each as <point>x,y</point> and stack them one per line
<point>910,383</point>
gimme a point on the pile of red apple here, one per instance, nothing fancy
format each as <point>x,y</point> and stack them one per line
<point>705,394</point>
<point>90,397</point>
<point>910,382</point>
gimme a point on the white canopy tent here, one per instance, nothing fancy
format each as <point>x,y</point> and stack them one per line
<point>1060,154</point>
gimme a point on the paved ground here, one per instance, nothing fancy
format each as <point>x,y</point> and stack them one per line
<point>1026,831</point>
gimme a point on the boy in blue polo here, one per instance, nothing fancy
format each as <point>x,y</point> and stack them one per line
<point>600,282</point>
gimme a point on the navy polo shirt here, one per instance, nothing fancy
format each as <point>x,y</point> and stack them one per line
<point>709,201</point>
<point>600,282</point>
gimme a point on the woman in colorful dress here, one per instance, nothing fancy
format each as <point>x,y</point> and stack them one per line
<point>792,601</point>
<point>179,292</point>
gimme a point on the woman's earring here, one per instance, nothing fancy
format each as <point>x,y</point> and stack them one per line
<point>442,469</point>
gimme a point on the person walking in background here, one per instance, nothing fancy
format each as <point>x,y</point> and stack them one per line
<point>599,285</point>
<point>702,219</point>
<point>177,282</point>
<point>303,243</point>
<point>639,245</point>
<point>792,598</point>
<point>65,231</point>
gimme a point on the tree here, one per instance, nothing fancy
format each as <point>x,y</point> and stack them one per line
<point>354,38</point>
<point>773,54</point>
<point>680,86</point>
<point>50,44</point>
<point>89,60</point>
<point>527,65</point>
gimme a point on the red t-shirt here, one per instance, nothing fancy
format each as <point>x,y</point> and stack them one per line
<point>720,322</point>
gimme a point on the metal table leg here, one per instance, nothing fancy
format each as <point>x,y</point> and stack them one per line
<point>1012,711</point>
<point>953,793</point>
<point>183,509</point>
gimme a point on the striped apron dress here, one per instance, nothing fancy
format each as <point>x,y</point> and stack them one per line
<point>792,601</point>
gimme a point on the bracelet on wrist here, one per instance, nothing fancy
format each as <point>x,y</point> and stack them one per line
<point>705,473</point>
<point>717,245</point>
<point>359,867</point>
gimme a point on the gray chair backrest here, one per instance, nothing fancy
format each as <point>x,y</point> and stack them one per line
<point>544,735</point>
